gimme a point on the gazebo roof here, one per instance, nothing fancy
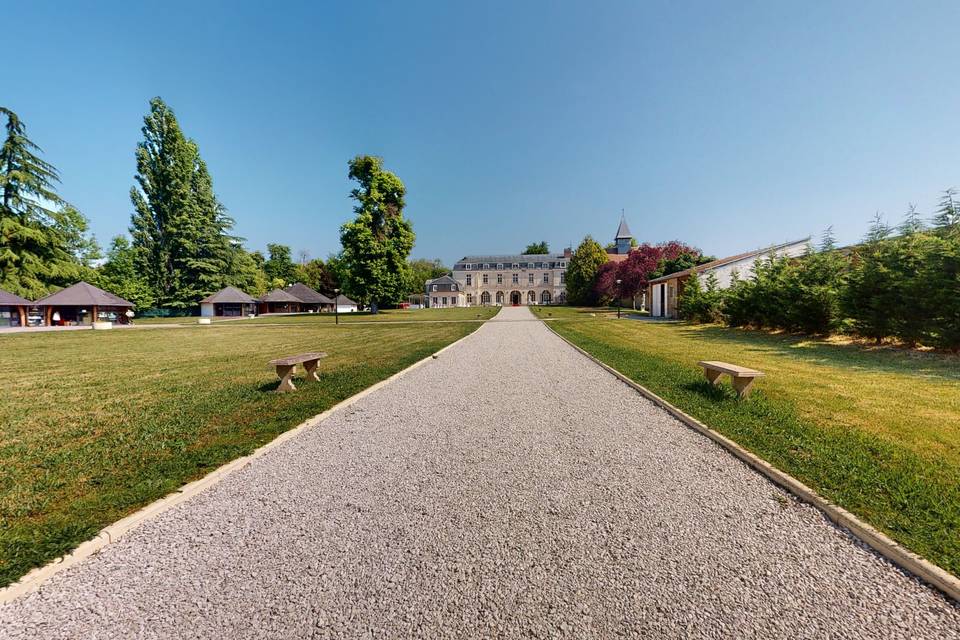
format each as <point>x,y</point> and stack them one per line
<point>8,299</point>
<point>342,299</point>
<point>83,294</point>
<point>303,293</point>
<point>278,295</point>
<point>228,295</point>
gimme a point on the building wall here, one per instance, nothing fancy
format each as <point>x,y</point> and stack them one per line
<point>744,268</point>
<point>540,281</point>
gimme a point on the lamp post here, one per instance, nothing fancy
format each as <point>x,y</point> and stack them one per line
<point>336,306</point>
<point>619,297</point>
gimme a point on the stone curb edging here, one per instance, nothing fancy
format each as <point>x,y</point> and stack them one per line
<point>112,533</point>
<point>876,540</point>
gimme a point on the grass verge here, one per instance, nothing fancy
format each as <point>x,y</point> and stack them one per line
<point>94,425</point>
<point>875,431</point>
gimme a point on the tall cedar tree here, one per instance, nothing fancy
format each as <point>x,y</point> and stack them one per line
<point>377,242</point>
<point>179,228</point>
<point>582,271</point>
<point>34,238</point>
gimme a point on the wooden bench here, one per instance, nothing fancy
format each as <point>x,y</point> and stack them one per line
<point>287,366</point>
<point>742,377</point>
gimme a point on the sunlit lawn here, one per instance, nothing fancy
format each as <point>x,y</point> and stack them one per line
<point>95,424</point>
<point>387,315</point>
<point>875,430</point>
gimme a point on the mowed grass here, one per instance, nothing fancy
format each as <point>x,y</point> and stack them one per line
<point>875,430</point>
<point>94,425</point>
<point>454,314</point>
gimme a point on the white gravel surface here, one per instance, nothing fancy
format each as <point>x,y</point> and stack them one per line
<point>511,488</point>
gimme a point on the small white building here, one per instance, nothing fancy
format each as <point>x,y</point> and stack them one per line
<point>444,292</point>
<point>345,304</point>
<point>664,292</point>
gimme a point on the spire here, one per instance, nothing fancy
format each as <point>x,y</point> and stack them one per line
<point>623,231</point>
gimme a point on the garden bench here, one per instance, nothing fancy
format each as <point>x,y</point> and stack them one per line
<point>742,377</point>
<point>288,365</point>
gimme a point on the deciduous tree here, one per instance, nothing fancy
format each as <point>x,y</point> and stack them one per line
<point>582,272</point>
<point>378,241</point>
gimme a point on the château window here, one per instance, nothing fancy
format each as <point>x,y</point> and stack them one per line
<point>516,278</point>
<point>469,280</point>
<point>499,267</point>
<point>485,279</point>
<point>469,266</point>
<point>563,278</point>
<point>499,278</point>
<point>469,298</point>
<point>530,278</point>
<point>546,278</point>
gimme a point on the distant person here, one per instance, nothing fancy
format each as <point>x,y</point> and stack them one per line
<point>56,319</point>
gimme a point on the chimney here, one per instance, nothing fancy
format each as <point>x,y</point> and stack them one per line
<point>567,252</point>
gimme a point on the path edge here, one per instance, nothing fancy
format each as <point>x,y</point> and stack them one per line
<point>110,534</point>
<point>879,542</point>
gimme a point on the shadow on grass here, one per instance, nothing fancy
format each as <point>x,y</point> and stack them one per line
<point>816,350</point>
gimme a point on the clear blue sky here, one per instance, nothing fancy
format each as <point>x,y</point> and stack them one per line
<point>726,125</point>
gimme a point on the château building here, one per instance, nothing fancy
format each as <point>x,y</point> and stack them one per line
<point>518,279</point>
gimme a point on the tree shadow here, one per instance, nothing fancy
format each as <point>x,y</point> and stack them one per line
<point>816,350</point>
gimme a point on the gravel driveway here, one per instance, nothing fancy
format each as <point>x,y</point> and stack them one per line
<point>511,488</point>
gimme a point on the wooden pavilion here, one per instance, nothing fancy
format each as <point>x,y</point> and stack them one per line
<point>13,310</point>
<point>82,303</point>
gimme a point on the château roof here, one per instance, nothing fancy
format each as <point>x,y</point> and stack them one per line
<point>228,295</point>
<point>83,294</point>
<point>519,257</point>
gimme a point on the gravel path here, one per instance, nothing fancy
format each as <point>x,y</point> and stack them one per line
<point>511,488</point>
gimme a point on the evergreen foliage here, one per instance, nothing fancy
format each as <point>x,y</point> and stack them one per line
<point>179,228</point>
<point>537,248</point>
<point>582,270</point>
<point>378,241</point>
<point>43,240</point>
<point>121,276</point>
<point>699,302</point>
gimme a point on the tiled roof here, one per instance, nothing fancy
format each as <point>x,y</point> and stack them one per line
<point>510,259</point>
<point>83,294</point>
<point>228,295</point>
<point>623,231</point>
<point>723,261</point>
<point>10,299</point>
<point>278,295</point>
<point>305,294</point>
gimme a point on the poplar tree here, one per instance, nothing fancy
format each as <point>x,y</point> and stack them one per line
<point>179,228</point>
<point>34,219</point>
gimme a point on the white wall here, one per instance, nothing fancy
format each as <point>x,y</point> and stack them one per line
<point>206,310</point>
<point>744,268</point>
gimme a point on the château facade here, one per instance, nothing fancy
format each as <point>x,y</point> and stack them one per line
<point>519,279</point>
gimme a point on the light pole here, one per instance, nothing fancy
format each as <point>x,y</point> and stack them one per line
<point>336,306</point>
<point>618,298</point>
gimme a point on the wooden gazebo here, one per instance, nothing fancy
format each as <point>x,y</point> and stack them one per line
<point>13,310</point>
<point>279,301</point>
<point>83,303</point>
<point>311,300</point>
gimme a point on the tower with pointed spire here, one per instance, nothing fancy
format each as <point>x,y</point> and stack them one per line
<point>624,237</point>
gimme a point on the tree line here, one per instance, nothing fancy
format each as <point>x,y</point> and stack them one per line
<point>592,278</point>
<point>181,246</point>
<point>898,283</point>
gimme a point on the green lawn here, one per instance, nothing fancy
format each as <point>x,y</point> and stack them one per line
<point>875,430</point>
<point>388,315</point>
<point>94,425</point>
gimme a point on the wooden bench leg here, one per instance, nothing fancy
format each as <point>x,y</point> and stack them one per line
<point>713,375</point>
<point>743,386</point>
<point>285,373</point>
<point>311,368</point>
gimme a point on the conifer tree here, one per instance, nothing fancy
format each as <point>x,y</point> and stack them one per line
<point>912,222</point>
<point>34,252</point>
<point>947,216</point>
<point>179,228</point>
